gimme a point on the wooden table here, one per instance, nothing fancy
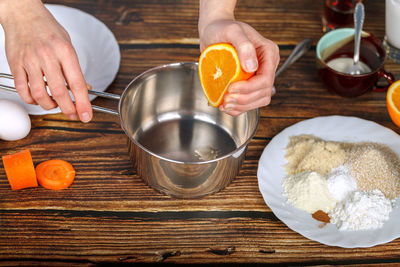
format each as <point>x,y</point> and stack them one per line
<point>109,215</point>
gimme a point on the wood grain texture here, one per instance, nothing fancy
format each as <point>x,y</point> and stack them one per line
<point>109,216</point>
<point>175,21</point>
<point>191,237</point>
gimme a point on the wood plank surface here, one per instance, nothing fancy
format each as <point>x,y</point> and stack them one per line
<point>175,21</point>
<point>109,216</point>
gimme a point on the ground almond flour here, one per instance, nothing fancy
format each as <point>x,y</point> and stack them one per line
<point>308,191</point>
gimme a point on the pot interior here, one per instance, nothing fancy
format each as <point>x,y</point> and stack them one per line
<point>164,111</point>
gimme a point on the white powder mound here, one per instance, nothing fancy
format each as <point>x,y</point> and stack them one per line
<point>340,183</point>
<point>308,191</point>
<point>361,210</point>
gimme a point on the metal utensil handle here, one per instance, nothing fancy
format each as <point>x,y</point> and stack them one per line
<point>358,23</point>
<point>297,52</point>
<point>91,92</point>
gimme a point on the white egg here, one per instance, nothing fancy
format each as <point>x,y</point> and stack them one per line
<point>15,123</point>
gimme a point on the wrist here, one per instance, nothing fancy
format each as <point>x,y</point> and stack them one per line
<point>214,10</point>
<point>12,10</point>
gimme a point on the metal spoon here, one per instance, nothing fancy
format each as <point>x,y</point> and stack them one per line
<point>297,52</point>
<point>357,68</point>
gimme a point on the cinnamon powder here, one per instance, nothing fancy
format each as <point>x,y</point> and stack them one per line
<point>321,216</point>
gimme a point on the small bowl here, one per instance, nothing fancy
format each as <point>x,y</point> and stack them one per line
<point>340,44</point>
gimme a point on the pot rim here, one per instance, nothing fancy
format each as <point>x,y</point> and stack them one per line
<point>177,64</point>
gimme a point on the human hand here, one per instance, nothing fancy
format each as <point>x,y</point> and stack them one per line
<point>255,52</point>
<point>38,46</point>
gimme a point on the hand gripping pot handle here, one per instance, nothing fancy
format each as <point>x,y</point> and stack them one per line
<point>96,93</point>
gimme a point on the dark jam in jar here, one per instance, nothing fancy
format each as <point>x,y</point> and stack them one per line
<point>339,13</point>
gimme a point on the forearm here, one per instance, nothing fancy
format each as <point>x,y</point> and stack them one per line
<point>13,10</point>
<point>212,10</point>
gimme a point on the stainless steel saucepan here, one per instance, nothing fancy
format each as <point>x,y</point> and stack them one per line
<point>179,144</point>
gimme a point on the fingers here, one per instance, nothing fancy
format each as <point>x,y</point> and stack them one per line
<point>55,71</point>
<point>77,84</point>
<point>37,85</point>
<point>255,92</point>
<point>269,54</point>
<point>58,89</point>
<point>247,95</point>
<point>44,63</point>
<point>244,47</point>
<point>240,104</point>
<point>21,84</point>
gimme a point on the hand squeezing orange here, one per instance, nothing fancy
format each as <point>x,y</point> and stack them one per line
<point>219,66</point>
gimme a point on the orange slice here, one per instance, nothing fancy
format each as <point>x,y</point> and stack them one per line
<point>393,102</point>
<point>219,66</point>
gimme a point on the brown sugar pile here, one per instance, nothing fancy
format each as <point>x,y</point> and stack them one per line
<point>375,166</point>
<point>307,152</point>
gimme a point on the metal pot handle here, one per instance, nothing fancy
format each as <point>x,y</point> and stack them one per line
<point>96,93</point>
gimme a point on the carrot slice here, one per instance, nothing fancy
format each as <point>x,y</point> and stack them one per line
<point>20,170</point>
<point>55,174</point>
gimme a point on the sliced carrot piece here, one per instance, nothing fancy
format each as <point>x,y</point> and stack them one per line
<point>20,170</point>
<point>55,174</point>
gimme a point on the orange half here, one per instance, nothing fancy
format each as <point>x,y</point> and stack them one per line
<point>219,66</point>
<point>393,102</point>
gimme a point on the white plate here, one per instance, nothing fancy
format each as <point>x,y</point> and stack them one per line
<point>333,128</point>
<point>95,45</point>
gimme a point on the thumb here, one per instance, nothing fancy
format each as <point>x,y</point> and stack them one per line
<point>247,56</point>
<point>244,47</point>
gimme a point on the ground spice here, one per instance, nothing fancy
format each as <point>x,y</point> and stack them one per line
<point>321,216</point>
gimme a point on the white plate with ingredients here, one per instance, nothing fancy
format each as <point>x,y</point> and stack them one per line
<point>271,173</point>
<point>95,45</point>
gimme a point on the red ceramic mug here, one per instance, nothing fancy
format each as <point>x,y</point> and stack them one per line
<point>340,44</point>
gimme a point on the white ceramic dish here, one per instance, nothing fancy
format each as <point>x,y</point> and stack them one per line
<point>334,128</point>
<point>95,45</point>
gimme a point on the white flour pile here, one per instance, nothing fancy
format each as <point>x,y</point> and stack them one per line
<point>362,210</point>
<point>355,184</point>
